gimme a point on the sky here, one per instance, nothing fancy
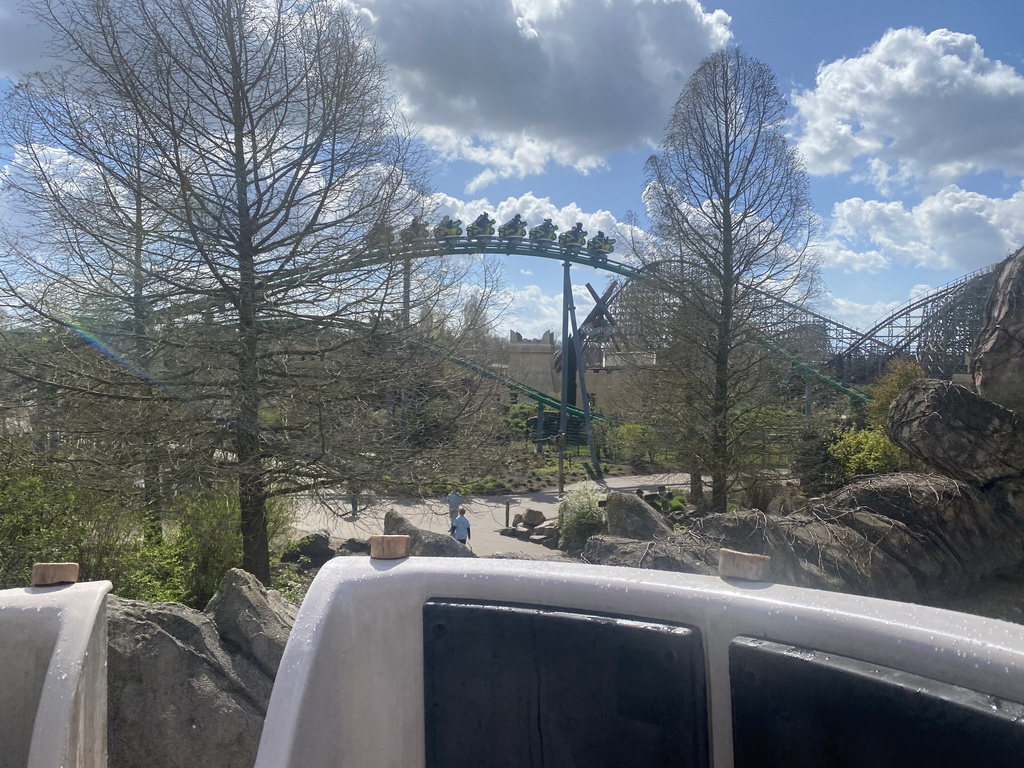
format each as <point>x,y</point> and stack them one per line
<point>909,116</point>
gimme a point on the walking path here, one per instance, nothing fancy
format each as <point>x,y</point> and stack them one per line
<point>486,513</point>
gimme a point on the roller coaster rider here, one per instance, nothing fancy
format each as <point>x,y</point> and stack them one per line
<point>575,237</point>
<point>600,246</point>
<point>484,225</point>
<point>544,232</point>
<point>417,230</point>
<point>514,227</point>
<point>448,228</point>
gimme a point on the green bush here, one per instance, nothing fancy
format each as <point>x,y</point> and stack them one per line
<point>677,504</point>
<point>634,444</point>
<point>580,516</point>
<point>514,422</point>
<point>45,518</point>
<point>869,452</point>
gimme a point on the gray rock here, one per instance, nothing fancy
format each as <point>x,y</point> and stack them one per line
<point>904,536</point>
<point>964,435</point>
<point>312,551</point>
<point>632,517</point>
<point>249,620</point>
<point>424,543</point>
<point>179,693</point>
<point>533,517</point>
<point>997,364</point>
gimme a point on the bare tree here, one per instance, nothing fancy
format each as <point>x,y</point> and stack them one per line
<point>246,154</point>
<point>733,226</point>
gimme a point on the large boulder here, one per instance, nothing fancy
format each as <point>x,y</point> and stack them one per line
<point>182,690</point>
<point>905,536</point>
<point>310,551</point>
<point>631,517</point>
<point>997,364</point>
<point>252,619</point>
<point>424,543</point>
<point>966,436</point>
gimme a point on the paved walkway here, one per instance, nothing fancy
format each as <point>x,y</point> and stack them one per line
<point>486,513</point>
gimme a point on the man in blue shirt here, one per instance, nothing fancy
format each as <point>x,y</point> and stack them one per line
<point>460,528</point>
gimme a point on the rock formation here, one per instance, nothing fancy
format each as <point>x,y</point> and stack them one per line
<point>904,536</point>
<point>189,688</point>
<point>424,543</point>
<point>997,365</point>
<point>634,518</point>
<point>964,435</point>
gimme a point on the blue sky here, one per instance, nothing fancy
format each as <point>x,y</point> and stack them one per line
<point>910,116</point>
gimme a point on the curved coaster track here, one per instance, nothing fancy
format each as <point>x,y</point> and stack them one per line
<point>936,329</point>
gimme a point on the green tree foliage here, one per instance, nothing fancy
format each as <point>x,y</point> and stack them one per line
<point>869,450</point>
<point>733,233</point>
<point>46,518</point>
<point>635,444</point>
<point>901,374</point>
<point>206,263</point>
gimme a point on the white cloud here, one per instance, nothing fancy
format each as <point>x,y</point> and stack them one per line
<point>864,316</point>
<point>952,229</point>
<point>517,84</point>
<point>855,314</point>
<point>915,108</point>
<point>534,311</point>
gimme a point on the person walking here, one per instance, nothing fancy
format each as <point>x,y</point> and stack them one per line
<point>454,499</point>
<point>460,528</point>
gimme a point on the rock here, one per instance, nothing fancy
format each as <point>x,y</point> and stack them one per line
<point>958,432</point>
<point>310,551</point>
<point>533,517</point>
<point>424,543</point>
<point>249,620</point>
<point>786,501</point>
<point>179,693</point>
<point>631,517</point>
<point>517,520</point>
<point>997,364</point>
<point>356,546</point>
<point>548,526</point>
<point>905,536</point>
<point>944,533</point>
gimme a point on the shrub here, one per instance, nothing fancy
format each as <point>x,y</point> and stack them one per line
<point>869,452</point>
<point>579,516</point>
<point>634,444</point>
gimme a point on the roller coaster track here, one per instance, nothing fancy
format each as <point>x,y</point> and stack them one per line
<point>936,329</point>
<point>800,317</point>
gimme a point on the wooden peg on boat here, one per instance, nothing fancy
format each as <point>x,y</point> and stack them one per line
<point>390,547</point>
<point>49,574</point>
<point>742,565</point>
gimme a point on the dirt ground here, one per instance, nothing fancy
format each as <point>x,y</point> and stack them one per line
<point>486,514</point>
<point>1000,597</point>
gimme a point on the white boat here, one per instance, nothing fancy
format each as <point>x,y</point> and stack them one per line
<point>452,662</point>
<point>53,676</point>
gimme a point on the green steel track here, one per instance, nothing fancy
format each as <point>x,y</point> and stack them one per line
<point>575,255</point>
